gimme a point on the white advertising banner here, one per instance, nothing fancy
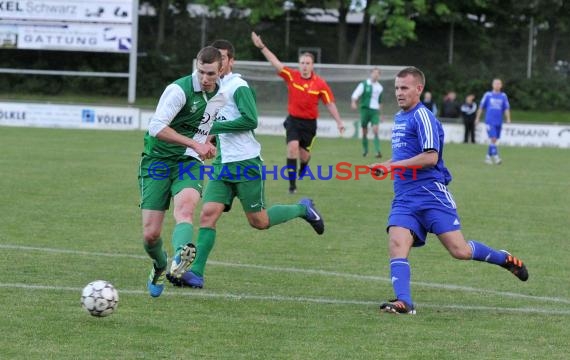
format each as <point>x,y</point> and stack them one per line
<point>73,37</point>
<point>269,125</point>
<point>528,135</point>
<point>511,135</point>
<point>117,118</point>
<point>107,11</point>
<point>145,119</point>
<point>69,116</point>
<point>532,135</point>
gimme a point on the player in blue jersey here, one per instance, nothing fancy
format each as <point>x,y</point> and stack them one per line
<point>495,103</point>
<point>422,203</point>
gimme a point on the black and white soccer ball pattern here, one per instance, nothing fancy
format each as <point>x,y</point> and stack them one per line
<point>99,298</point>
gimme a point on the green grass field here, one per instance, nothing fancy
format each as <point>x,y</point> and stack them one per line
<point>69,215</point>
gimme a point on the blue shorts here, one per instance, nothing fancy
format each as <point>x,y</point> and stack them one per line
<point>428,209</point>
<point>494,131</point>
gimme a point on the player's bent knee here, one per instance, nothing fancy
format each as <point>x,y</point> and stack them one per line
<point>184,216</point>
<point>259,223</point>
<point>150,236</point>
<point>208,220</point>
<point>461,253</point>
<point>210,215</point>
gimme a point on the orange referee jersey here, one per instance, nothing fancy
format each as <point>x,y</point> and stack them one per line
<point>304,94</point>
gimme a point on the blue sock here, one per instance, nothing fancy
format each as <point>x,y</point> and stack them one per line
<point>482,252</point>
<point>401,274</point>
<point>492,149</point>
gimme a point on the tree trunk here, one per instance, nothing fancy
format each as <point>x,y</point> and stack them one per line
<point>360,37</point>
<point>451,42</point>
<point>341,32</point>
<point>161,24</point>
<point>554,45</point>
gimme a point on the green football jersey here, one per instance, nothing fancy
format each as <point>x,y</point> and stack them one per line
<point>186,122</point>
<point>371,95</point>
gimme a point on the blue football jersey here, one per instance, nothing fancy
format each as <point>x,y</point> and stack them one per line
<point>494,105</point>
<point>414,132</point>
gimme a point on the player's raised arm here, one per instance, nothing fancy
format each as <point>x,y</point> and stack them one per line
<point>256,39</point>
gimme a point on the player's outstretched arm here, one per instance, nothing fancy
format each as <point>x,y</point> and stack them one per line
<point>256,39</point>
<point>379,169</point>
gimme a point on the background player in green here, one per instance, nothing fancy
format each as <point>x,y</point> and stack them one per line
<point>237,150</point>
<point>369,94</point>
<point>175,141</point>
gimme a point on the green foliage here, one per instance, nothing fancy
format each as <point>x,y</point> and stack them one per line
<point>154,81</point>
<point>399,28</point>
<point>441,9</point>
<point>546,92</point>
<point>395,20</point>
<point>541,93</point>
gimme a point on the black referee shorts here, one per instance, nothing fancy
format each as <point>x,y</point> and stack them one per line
<point>302,130</point>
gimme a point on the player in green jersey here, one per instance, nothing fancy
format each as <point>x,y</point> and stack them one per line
<point>238,150</point>
<point>174,147</point>
<point>368,98</point>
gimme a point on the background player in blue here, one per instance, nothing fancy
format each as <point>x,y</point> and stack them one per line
<point>495,103</point>
<point>422,203</point>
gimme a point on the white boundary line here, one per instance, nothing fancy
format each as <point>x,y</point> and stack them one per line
<point>278,298</point>
<point>303,271</point>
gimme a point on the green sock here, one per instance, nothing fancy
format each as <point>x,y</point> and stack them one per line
<point>204,244</point>
<point>376,143</point>
<point>279,214</point>
<point>157,254</point>
<point>365,144</point>
<point>181,236</point>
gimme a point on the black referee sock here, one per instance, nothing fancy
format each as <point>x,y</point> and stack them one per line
<point>292,172</point>
<point>302,169</point>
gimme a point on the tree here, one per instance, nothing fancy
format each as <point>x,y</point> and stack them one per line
<point>396,20</point>
<point>163,9</point>
<point>394,17</point>
<point>550,16</point>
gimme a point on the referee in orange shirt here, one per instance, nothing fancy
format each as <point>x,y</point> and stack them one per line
<point>305,88</point>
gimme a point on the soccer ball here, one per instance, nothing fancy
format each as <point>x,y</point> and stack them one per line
<point>99,298</point>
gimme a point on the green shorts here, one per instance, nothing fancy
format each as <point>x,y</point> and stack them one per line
<point>369,116</point>
<point>250,191</point>
<point>162,179</point>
